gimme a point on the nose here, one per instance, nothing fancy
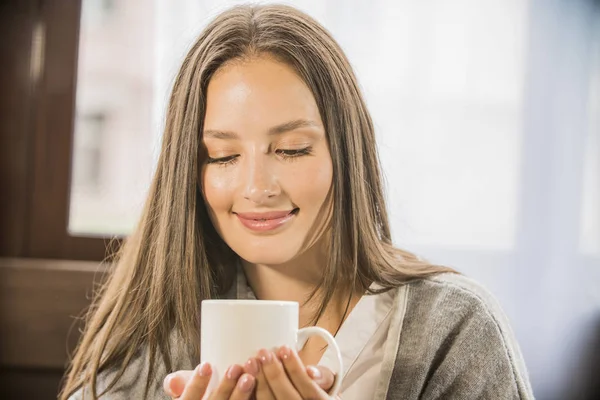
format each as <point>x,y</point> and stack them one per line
<point>260,180</point>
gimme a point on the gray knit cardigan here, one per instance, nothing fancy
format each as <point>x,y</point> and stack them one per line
<point>448,339</point>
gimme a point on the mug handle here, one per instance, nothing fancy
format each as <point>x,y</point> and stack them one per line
<point>305,333</point>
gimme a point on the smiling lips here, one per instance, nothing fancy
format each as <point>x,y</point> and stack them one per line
<point>266,221</point>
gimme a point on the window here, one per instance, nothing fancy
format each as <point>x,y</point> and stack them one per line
<point>590,210</point>
<point>115,79</point>
<point>460,83</point>
<point>88,148</point>
<point>445,84</point>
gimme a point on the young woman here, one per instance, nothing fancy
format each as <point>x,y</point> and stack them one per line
<point>268,186</point>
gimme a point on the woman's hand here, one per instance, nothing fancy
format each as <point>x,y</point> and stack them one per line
<point>191,385</point>
<point>283,376</point>
<point>320,379</point>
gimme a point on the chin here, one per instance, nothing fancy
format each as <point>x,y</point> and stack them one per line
<point>275,259</point>
<point>273,255</point>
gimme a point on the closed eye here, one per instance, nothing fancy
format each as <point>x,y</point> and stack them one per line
<point>222,160</point>
<point>292,153</point>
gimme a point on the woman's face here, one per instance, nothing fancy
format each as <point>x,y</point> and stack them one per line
<point>268,169</point>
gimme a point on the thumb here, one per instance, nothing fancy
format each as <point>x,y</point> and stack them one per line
<point>175,383</point>
<point>322,376</point>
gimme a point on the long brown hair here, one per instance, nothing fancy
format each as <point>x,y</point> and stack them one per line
<point>174,259</point>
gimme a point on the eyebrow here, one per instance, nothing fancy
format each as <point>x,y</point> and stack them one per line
<point>275,130</point>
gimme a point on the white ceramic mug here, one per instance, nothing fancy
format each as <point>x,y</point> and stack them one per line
<point>234,330</point>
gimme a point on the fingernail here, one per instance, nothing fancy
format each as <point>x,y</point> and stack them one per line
<point>234,372</point>
<point>204,369</point>
<point>265,356</point>
<point>284,353</point>
<point>246,383</point>
<point>167,385</point>
<point>175,385</point>
<point>252,366</point>
<point>313,372</point>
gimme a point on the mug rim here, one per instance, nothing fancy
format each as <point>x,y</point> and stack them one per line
<point>234,302</point>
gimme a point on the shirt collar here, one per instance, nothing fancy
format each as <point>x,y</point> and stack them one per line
<point>359,327</point>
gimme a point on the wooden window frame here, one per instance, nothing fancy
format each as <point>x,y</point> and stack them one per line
<point>47,276</point>
<point>37,206</point>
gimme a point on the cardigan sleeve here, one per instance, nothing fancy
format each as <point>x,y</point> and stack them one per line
<point>476,362</point>
<point>132,384</point>
<point>456,343</point>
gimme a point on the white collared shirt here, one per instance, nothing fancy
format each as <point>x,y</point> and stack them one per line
<point>361,340</point>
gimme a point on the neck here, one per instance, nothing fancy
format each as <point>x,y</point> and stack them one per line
<point>294,281</point>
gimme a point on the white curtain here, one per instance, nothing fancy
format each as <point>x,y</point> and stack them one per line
<point>488,121</point>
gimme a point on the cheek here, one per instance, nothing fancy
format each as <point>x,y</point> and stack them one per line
<point>312,183</point>
<point>217,190</point>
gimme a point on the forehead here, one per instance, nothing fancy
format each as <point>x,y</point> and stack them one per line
<point>256,93</point>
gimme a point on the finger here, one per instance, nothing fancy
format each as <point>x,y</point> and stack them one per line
<point>276,376</point>
<point>252,367</point>
<point>227,385</point>
<point>322,376</point>
<point>243,388</point>
<point>174,383</point>
<point>298,374</point>
<point>196,386</point>
<point>263,391</point>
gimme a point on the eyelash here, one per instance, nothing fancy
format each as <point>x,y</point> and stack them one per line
<point>291,154</point>
<point>285,154</point>
<point>222,161</point>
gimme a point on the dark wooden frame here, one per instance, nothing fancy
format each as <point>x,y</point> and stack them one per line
<point>44,284</point>
<point>36,173</point>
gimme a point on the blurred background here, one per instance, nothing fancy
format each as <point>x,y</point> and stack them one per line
<point>488,121</point>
